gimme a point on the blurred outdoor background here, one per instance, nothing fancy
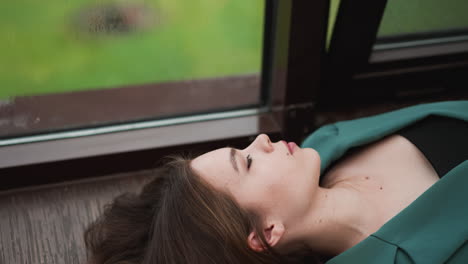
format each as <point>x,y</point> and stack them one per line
<point>57,46</point>
<point>62,45</point>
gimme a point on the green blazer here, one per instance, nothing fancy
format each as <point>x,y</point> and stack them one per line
<point>432,229</point>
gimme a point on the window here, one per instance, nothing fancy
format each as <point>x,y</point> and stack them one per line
<point>292,48</point>
<point>416,20</point>
<point>87,64</point>
<point>388,50</point>
<point>416,17</point>
<point>423,24</point>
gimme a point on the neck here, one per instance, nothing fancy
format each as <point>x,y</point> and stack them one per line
<point>338,219</point>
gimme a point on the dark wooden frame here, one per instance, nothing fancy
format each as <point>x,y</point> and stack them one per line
<point>362,75</point>
<point>306,55</point>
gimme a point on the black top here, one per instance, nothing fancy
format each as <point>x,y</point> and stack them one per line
<point>443,140</point>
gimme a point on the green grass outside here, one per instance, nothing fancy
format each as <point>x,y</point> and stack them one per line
<point>41,52</point>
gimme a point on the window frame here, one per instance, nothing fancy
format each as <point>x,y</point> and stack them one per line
<point>355,67</point>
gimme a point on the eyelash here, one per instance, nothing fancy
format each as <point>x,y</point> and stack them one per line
<point>249,161</point>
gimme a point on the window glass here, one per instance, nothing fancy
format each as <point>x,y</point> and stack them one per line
<point>60,47</point>
<point>57,46</point>
<point>334,4</point>
<point>417,20</point>
<point>423,16</point>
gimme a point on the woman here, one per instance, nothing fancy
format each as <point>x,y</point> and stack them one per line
<point>274,202</point>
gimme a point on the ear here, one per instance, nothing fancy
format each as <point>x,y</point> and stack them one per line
<point>273,233</point>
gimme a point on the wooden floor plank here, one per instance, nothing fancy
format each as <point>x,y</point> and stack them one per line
<point>46,224</point>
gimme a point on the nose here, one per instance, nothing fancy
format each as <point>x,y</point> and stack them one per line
<point>263,143</point>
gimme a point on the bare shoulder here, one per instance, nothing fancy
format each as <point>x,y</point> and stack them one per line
<point>390,173</point>
<point>393,156</point>
<point>363,160</point>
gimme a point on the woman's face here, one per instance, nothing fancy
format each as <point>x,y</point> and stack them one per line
<point>272,179</point>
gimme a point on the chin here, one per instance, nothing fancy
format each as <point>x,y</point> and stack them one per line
<point>312,155</point>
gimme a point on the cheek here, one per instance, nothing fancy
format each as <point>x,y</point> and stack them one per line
<point>261,191</point>
<point>285,187</point>
<point>288,196</point>
<point>278,187</point>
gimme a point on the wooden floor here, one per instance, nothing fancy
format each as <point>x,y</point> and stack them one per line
<point>45,224</point>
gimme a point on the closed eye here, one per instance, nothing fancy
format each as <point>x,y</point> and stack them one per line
<point>249,161</point>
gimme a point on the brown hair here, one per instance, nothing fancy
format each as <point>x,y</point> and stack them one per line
<point>177,218</point>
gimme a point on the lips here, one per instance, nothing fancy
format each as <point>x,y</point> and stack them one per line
<point>291,146</point>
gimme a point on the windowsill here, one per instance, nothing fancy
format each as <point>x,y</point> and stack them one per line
<point>64,160</point>
<point>136,140</point>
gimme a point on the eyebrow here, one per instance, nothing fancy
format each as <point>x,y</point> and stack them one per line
<point>232,157</point>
